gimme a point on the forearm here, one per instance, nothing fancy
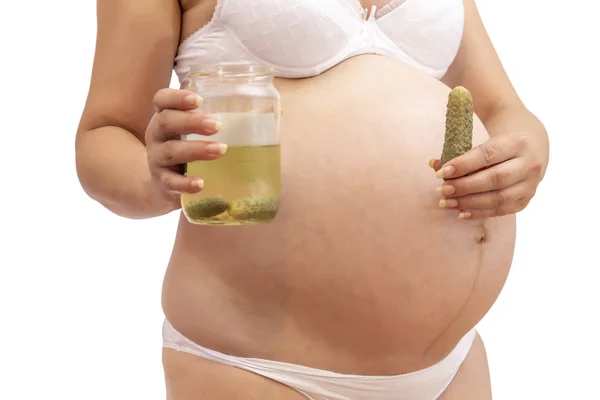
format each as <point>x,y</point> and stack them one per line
<point>113,170</point>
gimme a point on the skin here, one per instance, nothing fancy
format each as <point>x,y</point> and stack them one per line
<point>504,172</point>
<point>127,161</point>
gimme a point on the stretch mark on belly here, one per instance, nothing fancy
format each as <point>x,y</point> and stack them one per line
<point>481,238</point>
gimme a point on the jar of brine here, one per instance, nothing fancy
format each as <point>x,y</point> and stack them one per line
<point>243,186</point>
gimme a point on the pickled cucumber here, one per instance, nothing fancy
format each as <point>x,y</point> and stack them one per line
<point>206,208</point>
<point>254,208</point>
<point>459,124</point>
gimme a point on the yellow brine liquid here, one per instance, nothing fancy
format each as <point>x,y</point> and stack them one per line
<point>242,187</point>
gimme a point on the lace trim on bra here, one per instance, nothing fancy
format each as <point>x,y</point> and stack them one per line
<point>389,8</point>
<point>361,12</point>
<point>216,14</point>
<point>380,12</point>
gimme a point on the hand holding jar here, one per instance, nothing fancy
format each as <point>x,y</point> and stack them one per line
<point>167,153</point>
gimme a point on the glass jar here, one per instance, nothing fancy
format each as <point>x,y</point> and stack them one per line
<point>243,186</point>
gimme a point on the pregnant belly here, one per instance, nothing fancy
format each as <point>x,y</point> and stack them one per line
<point>361,272</point>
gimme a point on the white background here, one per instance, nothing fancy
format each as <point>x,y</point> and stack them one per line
<point>80,288</point>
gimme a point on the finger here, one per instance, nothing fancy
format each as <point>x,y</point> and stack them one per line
<point>511,199</point>
<point>173,123</point>
<point>175,152</point>
<point>176,99</point>
<point>176,183</point>
<point>481,214</point>
<point>434,163</point>
<point>478,214</point>
<point>498,177</point>
<point>496,150</point>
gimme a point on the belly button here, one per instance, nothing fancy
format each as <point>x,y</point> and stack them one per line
<point>482,235</point>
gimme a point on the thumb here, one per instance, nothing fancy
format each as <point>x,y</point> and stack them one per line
<point>435,164</point>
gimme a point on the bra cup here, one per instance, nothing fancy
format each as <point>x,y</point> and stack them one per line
<point>284,33</point>
<point>429,31</point>
<point>303,38</point>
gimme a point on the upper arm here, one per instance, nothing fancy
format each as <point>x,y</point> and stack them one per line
<point>478,68</point>
<point>135,47</point>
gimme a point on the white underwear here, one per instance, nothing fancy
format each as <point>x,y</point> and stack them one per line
<point>315,384</point>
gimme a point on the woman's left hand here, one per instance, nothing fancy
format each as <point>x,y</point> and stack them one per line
<point>496,178</point>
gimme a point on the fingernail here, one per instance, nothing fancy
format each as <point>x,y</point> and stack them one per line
<point>464,215</point>
<point>445,172</point>
<point>432,162</point>
<point>193,100</point>
<point>445,190</point>
<point>216,148</point>
<point>212,124</point>
<point>448,203</point>
<point>199,183</point>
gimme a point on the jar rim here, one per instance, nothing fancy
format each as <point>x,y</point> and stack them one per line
<point>231,70</point>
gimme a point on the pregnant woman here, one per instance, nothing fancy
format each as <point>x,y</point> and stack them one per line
<point>369,283</point>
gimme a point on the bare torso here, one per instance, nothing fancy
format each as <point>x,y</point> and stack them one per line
<point>361,272</point>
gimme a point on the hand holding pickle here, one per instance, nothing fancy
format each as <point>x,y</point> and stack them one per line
<point>498,177</point>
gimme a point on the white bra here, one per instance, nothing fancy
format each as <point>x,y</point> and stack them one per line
<point>303,38</point>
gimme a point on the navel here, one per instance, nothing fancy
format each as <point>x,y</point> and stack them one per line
<point>481,235</point>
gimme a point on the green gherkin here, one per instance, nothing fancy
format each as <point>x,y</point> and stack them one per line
<point>206,208</point>
<point>459,124</point>
<point>254,208</point>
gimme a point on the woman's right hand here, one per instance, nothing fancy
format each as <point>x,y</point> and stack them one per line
<point>167,153</point>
